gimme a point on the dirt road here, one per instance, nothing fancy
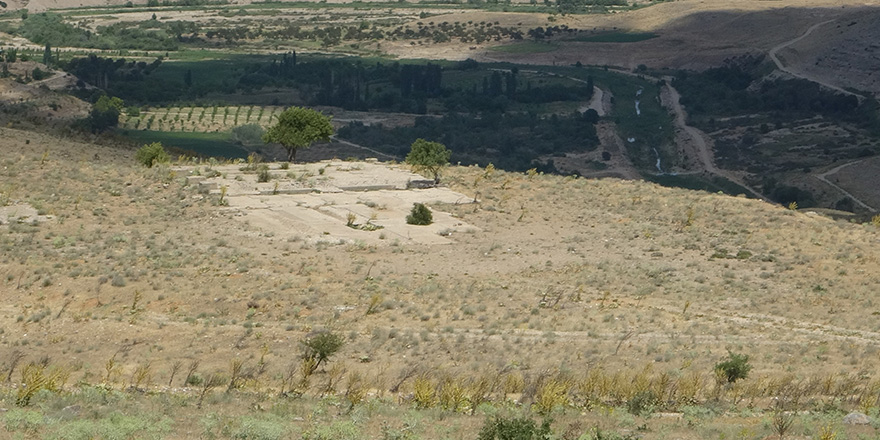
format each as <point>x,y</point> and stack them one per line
<point>824,178</point>
<point>597,102</point>
<point>376,152</point>
<point>774,55</point>
<point>694,140</point>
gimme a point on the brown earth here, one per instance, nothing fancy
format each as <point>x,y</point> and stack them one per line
<point>551,271</point>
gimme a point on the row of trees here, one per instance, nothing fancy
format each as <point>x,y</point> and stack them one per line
<point>408,88</point>
<point>511,141</point>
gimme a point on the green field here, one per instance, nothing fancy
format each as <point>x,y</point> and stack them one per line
<point>206,144</point>
<point>617,37</point>
<point>526,47</point>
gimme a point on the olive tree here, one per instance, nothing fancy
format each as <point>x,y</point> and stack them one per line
<point>299,127</point>
<point>429,157</point>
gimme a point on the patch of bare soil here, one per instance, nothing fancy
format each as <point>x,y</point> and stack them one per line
<point>20,213</point>
<point>332,201</point>
<point>42,98</point>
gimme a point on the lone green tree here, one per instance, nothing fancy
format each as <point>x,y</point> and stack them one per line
<point>105,113</point>
<point>734,368</point>
<point>429,157</point>
<point>297,128</point>
<point>318,347</point>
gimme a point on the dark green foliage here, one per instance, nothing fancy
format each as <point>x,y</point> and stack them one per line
<point>510,141</point>
<point>249,134</point>
<point>105,113</point>
<point>420,215</point>
<point>38,74</point>
<point>523,428</point>
<point>151,154</point>
<point>785,194</point>
<point>320,346</point>
<point>105,72</point>
<point>642,403</point>
<point>51,29</point>
<point>735,367</point>
<point>299,127</point>
<point>711,184</point>
<point>725,91</point>
<point>427,156</point>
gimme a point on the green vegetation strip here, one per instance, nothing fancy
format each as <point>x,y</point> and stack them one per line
<point>617,37</point>
<point>526,47</point>
<point>207,144</point>
<point>716,184</point>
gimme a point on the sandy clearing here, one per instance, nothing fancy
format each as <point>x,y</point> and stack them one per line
<point>313,202</point>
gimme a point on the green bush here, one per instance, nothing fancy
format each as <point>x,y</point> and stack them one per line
<point>320,346</point>
<point>643,403</point>
<point>268,427</point>
<point>524,428</point>
<point>734,368</point>
<point>151,154</point>
<point>420,215</point>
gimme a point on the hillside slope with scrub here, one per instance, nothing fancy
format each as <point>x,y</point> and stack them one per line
<point>597,302</point>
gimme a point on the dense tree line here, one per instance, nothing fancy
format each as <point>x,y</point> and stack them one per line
<point>100,72</point>
<point>51,29</point>
<point>508,140</point>
<point>734,89</point>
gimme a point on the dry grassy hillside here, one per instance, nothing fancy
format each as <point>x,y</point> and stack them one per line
<point>134,258</point>
<point>123,268</point>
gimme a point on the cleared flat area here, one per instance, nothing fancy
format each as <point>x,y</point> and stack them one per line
<point>314,202</point>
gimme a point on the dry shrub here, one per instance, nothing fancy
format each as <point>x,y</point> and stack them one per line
<point>424,393</point>
<point>551,393</point>
<point>453,395</point>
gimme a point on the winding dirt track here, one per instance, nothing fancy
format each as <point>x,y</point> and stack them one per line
<point>695,140</point>
<point>824,178</point>
<point>773,53</point>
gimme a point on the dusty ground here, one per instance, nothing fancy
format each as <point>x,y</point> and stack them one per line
<point>548,272</point>
<point>313,202</point>
<point>43,99</point>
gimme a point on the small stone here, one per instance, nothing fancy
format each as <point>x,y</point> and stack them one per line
<point>856,418</point>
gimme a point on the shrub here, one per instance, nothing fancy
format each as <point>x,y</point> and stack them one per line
<point>320,346</point>
<point>514,429</point>
<point>263,175</point>
<point>151,154</point>
<point>642,403</point>
<point>734,368</point>
<point>420,215</point>
<point>424,393</point>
